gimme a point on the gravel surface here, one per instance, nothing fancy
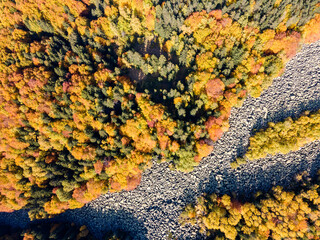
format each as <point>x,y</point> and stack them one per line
<point>151,211</point>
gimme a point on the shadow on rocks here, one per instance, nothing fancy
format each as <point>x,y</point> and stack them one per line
<point>263,174</point>
<point>20,220</point>
<point>16,219</point>
<point>223,182</point>
<point>261,121</point>
<point>189,196</point>
<point>100,222</point>
<point>283,113</point>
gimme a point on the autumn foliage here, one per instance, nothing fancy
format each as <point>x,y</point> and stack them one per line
<point>283,137</point>
<point>278,214</point>
<point>92,90</point>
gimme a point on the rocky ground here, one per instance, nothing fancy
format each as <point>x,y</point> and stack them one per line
<point>152,210</point>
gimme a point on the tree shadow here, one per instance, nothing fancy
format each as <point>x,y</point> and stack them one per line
<point>16,219</point>
<point>261,176</point>
<point>312,105</point>
<point>189,196</point>
<point>100,222</point>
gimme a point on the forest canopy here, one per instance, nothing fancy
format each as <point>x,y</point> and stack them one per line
<point>283,137</point>
<point>92,90</point>
<point>278,214</point>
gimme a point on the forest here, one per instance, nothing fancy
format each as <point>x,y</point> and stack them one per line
<point>283,137</point>
<point>278,214</point>
<point>91,91</point>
